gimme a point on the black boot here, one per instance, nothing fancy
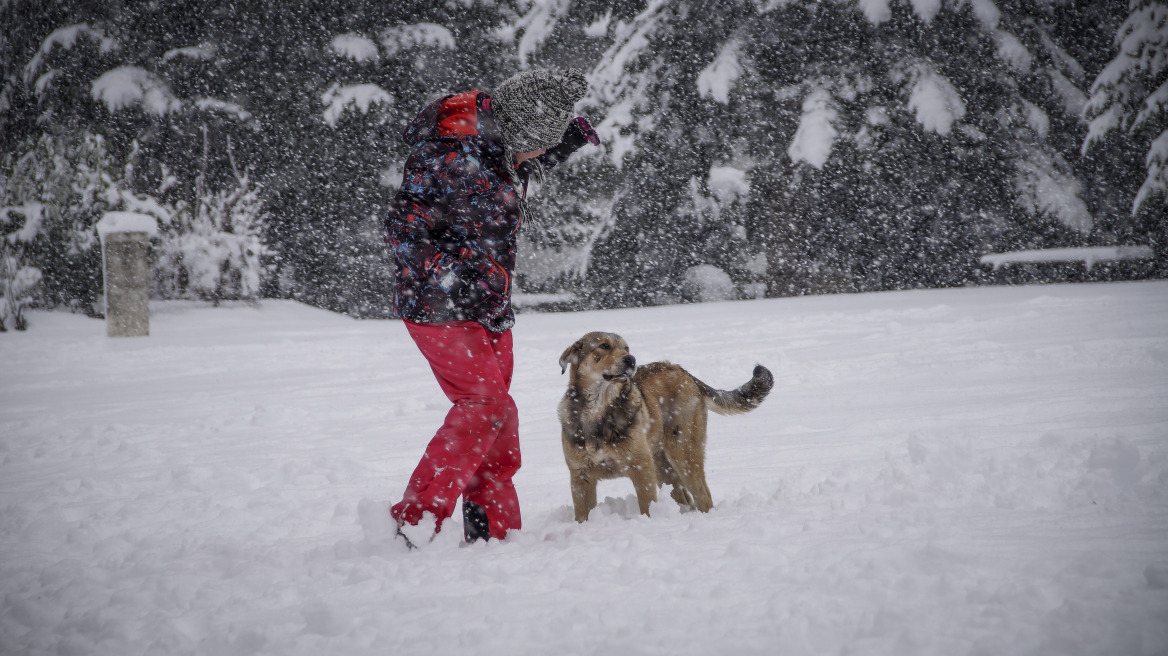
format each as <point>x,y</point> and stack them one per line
<point>474,522</point>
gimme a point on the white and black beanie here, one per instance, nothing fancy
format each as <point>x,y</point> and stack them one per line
<point>534,108</point>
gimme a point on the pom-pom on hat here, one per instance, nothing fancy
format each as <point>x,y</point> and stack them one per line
<point>534,108</point>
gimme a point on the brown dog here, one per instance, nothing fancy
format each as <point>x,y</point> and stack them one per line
<point>646,423</point>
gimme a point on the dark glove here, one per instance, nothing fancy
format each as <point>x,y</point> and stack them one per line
<point>579,132</point>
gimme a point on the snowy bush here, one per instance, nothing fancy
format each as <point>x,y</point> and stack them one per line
<point>707,283</point>
<point>17,280</point>
<point>214,252</point>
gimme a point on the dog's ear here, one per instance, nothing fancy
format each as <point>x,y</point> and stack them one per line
<point>572,355</point>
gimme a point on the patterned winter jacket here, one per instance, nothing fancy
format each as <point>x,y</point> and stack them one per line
<point>453,224</point>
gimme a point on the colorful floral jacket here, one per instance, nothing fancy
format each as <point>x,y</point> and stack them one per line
<point>453,224</point>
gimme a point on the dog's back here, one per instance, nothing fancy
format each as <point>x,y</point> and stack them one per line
<point>664,379</point>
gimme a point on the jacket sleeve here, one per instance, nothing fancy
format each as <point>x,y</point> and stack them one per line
<point>536,166</point>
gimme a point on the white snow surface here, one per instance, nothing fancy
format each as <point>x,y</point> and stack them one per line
<point>966,471</point>
<point>127,222</point>
<point>1089,255</point>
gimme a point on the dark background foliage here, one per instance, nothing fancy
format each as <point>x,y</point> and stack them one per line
<point>894,206</point>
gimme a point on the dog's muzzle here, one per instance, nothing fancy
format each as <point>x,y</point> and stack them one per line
<point>630,364</point>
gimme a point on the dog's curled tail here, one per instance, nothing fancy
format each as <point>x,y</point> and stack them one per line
<point>743,399</point>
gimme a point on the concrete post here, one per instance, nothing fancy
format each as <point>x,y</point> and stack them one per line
<point>125,244</point>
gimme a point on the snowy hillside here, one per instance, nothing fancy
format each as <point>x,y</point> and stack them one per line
<point>967,471</point>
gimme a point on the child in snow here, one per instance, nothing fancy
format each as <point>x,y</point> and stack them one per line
<point>453,228</point>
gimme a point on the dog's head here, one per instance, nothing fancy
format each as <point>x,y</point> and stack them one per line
<point>599,357</point>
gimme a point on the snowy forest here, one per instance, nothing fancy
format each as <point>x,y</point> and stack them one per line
<point>750,148</point>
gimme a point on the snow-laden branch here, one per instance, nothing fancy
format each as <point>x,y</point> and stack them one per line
<point>66,38</point>
<point>1131,92</point>
<point>128,86</point>
<point>934,100</point>
<point>537,25</point>
<point>1046,185</point>
<point>817,132</point>
<point>201,53</point>
<point>716,80</point>
<point>419,35</point>
<point>614,83</point>
<point>361,96</point>
<point>355,47</point>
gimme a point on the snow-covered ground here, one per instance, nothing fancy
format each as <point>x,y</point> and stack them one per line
<point>970,471</point>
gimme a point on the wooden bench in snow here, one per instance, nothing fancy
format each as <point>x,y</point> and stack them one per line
<point>125,247</point>
<point>1089,256</point>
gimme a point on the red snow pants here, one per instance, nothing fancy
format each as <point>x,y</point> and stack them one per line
<point>476,451</point>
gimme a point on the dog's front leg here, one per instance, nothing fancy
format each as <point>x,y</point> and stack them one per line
<point>644,478</point>
<point>583,495</point>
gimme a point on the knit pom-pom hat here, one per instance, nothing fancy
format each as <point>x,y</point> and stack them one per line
<point>534,108</point>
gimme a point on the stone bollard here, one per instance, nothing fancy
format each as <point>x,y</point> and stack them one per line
<point>125,247</point>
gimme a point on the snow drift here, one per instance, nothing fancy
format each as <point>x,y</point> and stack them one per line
<point>965,471</point>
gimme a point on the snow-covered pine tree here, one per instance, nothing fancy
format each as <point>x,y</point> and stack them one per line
<point>58,172</point>
<point>573,207</point>
<point>350,153</point>
<point>1129,99</point>
<point>59,186</point>
<point>665,131</point>
<point>906,140</point>
<point>20,224</point>
<point>850,145</point>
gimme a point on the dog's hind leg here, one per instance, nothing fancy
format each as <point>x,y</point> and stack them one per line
<point>693,486</point>
<point>696,486</point>
<point>687,456</point>
<point>583,495</point>
<point>669,476</point>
